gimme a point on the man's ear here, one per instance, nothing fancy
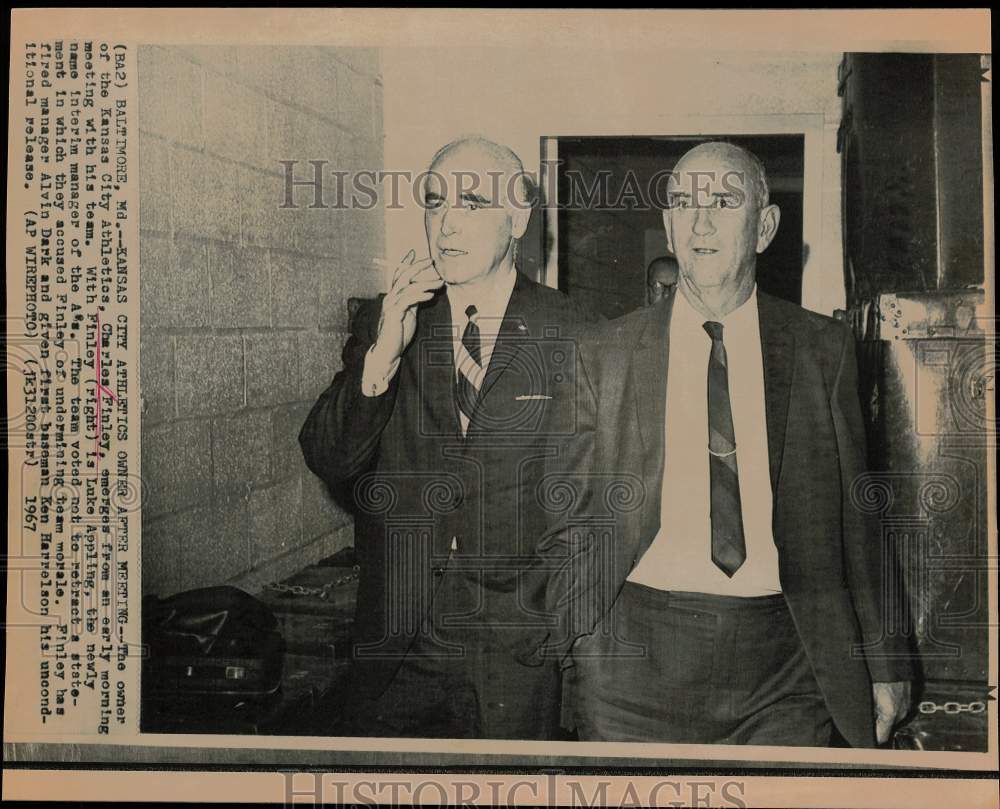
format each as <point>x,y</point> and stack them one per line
<point>666,228</point>
<point>520,203</point>
<point>767,226</point>
<point>520,213</point>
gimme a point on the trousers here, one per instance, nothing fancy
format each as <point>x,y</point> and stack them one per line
<point>697,668</point>
<point>461,680</point>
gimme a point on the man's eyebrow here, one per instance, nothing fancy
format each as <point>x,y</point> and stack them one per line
<point>474,199</point>
<point>432,196</point>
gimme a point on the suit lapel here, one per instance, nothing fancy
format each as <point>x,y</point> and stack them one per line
<point>649,385</point>
<point>778,352</point>
<point>649,370</point>
<point>514,326</point>
<point>436,367</point>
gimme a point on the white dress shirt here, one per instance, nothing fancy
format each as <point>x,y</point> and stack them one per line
<point>680,556</point>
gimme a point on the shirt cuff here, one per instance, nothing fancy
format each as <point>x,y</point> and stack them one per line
<point>376,375</point>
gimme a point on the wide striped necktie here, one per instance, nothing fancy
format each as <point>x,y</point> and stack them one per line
<point>469,365</point>
<point>729,550</point>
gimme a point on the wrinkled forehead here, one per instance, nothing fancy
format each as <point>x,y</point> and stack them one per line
<point>713,170</point>
<point>469,170</point>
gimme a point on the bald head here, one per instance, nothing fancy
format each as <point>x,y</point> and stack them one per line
<point>475,209</point>
<point>718,219</point>
<point>478,145</point>
<point>488,158</point>
<point>752,178</point>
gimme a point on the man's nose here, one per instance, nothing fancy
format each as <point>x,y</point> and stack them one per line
<point>449,222</point>
<point>703,221</point>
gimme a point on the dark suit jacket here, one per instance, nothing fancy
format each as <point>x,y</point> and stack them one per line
<point>829,550</point>
<point>415,483</point>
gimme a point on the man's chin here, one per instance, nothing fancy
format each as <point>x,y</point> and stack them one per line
<point>704,281</point>
<point>456,273</point>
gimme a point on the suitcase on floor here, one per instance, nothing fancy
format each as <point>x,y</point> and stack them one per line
<point>211,651</point>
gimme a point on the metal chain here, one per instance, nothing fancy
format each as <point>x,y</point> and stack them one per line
<point>321,592</point>
<point>929,707</point>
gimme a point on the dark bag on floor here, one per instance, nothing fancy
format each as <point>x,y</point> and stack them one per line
<point>210,649</point>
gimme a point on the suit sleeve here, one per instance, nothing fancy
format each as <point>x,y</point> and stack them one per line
<point>341,436</point>
<point>568,554</point>
<point>866,554</point>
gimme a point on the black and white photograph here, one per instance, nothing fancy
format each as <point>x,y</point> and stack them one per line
<point>599,405</point>
<point>455,494</point>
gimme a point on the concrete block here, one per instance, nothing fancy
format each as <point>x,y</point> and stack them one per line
<point>156,375</point>
<point>263,222</point>
<point>275,520</point>
<point>320,232</point>
<point>187,296</point>
<point>171,93</point>
<point>282,567</point>
<point>257,66</point>
<point>209,374</point>
<point>240,287</point>
<point>378,118</point>
<point>240,448</point>
<point>235,120</point>
<point>320,513</point>
<point>272,368</point>
<point>320,357</point>
<point>340,280</point>
<point>356,101</point>
<point>187,191</point>
<point>221,200</point>
<point>368,151</point>
<point>176,466</point>
<point>154,279</point>
<point>295,285</point>
<point>205,195</point>
<point>305,77</point>
<point>217,58</point>
<point>154,183</point>
<point>214,543</point>
<point>362,60</point>
<point>318,76</point>
<point>315,138</point>
<point>286,455</point>
<point>364,238</point>
<point>280,136</point>
<point>161,558</point>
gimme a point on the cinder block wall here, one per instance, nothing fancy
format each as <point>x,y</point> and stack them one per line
<point>243,304</point>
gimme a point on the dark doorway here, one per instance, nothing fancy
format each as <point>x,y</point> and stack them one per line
<point>610,226</point>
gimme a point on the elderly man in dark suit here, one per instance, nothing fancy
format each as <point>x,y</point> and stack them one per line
<point>719,582</point>
<point>435,432</point>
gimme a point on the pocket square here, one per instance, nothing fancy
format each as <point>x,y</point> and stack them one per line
<point>526,397</point>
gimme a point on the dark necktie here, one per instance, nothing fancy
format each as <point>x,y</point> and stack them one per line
<point>469,374</point>
<point>728,545</point>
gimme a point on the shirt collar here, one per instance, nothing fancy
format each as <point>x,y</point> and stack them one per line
<point>489,298</point>
<point>742,317</point>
